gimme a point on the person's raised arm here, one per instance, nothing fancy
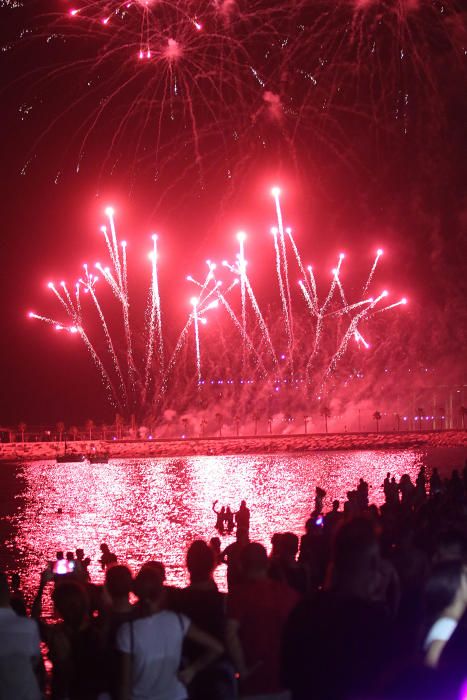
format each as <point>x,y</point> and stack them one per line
<point>212,650</point>
<point>46,577</point>
<point>214,507</point>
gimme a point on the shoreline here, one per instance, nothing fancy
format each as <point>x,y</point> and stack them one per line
<point>260,444</point>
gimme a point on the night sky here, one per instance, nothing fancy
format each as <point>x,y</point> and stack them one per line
<point>376,156</point>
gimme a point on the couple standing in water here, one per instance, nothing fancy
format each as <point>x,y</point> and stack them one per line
<point>227,520</point>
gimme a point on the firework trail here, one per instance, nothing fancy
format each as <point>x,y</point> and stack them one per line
<point>314,290</point>
<point>195,302</point>
<point>156,79</point>
<point>57,325</point>
<point>105,377</point>
<point>154,321</point>
<point>74,314</point>
<point>288,231</point>
<point>401,302</point>
<point>212,292</point>
<point>318,331</point>
<point>123,295</point>
<point>209,296</point>
<point>385,52</point>
<point>280,225</point>
<point>321,313</point>
<point>379,253</point>
<point>66,292</point>
<point>282,264</point>
<point>241,237</point>
<point>200,305</point>
<point>350,307</point>
<point>68,308</point>
<point>285,309</point>
<point>311,308</point>
<point>244,335</point>
<point>89,284</point>
<point>124,269</point>
<point>330,295</point>
<point>171,364</point>
<point>160,68</point>
<point>358,336</point>
<point>349,333</point>
<point>261,321</point>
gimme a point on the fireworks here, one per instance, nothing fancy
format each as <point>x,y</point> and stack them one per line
<point>140,380</point>
<point>154,79</point>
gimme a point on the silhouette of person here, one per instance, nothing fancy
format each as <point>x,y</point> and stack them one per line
<point>107,557</point>
<point>362,491</point>
<point>231,557</point>
<point>17,602</point>
<point>220,518</point>
<point>215,545</point>
<point>229,519</point>
<point>319,497</point>
<point>387,486</point>
<point>242,517</point>
<point>435,483</point>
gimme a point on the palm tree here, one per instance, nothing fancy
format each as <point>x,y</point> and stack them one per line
<point>421,413</point>
<point>441,416</point>
<point>219,423</point>
<point>377,416</point>
<point>60,429</point>
<point>74,431</point>
<point>256,419</point>
<point>203,426</point>
<point>270,425</point>
<point>118,425</point>
<point>463,412</point>
<point>185,426</point>
<point>89,426</point>
<point>398,421</point>
<point>326,413</point>
<point>22,429</point>
<point>306,419</point>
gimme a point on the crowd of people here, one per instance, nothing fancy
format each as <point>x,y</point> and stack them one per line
<point>370,603</point>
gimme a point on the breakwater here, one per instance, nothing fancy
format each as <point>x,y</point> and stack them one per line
<point>258,444</point>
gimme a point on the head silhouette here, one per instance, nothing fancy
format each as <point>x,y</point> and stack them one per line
<point>200,561</point>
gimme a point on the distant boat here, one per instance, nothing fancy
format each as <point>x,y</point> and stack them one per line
<point>98,458</point>
<point>70,457</point>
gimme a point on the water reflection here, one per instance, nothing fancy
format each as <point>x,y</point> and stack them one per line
<point>153,508</point>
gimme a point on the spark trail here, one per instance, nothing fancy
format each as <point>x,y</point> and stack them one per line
<point>195,302</point>
<point>123,295</point>
<point>133,390</point>
<point>89,284</point>
<point>154,321</point>
<point>241,237</point>
<point>372,271</point>
<point>282,264</point>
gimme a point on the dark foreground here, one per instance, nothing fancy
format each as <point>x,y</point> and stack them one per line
<point>369,603</point>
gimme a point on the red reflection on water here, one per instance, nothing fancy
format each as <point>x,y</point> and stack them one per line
<point>153,508</point>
